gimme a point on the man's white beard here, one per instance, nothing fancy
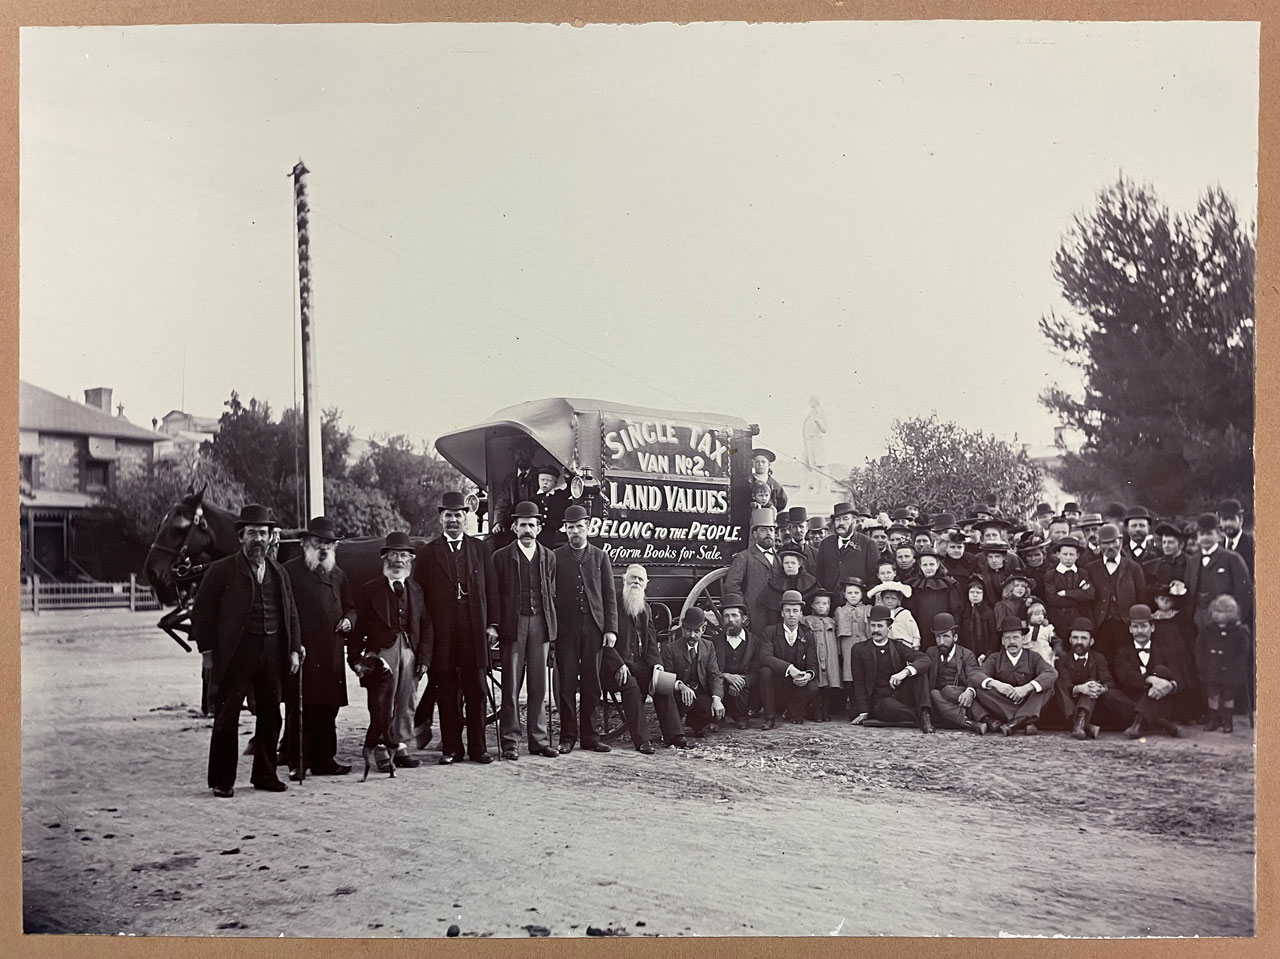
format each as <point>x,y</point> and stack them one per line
<point>395,572</point>
<point>633,600</point>
<point>311,556</point>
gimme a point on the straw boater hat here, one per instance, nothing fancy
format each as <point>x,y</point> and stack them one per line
<point>891,586</point>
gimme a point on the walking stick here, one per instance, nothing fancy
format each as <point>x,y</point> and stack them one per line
<point>302,757</point>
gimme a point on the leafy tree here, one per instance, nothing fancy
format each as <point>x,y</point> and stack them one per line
<point>413,481</point>
<point>139,501</point>
<point>358,510</point>
<point>945,467</point>
<point>1162,330</point>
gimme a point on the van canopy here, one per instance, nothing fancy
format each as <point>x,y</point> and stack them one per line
<point>567,429</point>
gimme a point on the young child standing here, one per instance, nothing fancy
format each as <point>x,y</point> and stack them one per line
<point>893,596</point>
<point>1014,598</point>
<point>1174,627</point>
<point>1223,651</point>
<point>827,646</point>
<point>978,621</point>
<point>851,628</point>
<point>1039,637</point>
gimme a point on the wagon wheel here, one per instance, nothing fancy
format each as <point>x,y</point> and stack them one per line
<point>612,721</point>
<point>706,593</point>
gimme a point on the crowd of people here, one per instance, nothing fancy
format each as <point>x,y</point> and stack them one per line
<point>983,623</point>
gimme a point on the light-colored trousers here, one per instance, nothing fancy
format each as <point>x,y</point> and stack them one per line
<point>399,658</point>
<point>527,654</point>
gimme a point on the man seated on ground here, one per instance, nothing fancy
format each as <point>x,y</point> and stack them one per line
<point>1150,673</point>
<point>790,655</point>
<point>699,686</point>
<point>1085,688</point>
<point>627,666</point>
<point>890,679</point>
<point>1014,685</point>
<point>740,654</point>
<point>950,665</point>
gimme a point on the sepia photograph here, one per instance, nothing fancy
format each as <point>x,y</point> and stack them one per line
<point>522,480</point>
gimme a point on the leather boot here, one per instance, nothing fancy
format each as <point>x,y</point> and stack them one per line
<point>1226,720</point>
<point>1215,720</point>
<point>1077,731</point>
<point>926,720</point>
<point>1135,728</point>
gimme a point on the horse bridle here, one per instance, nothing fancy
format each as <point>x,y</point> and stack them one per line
<point>183,569</point>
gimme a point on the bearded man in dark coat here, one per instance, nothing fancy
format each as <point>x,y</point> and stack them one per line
<point>327,614</point>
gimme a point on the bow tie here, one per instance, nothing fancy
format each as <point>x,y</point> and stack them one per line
<point>1143,649</point>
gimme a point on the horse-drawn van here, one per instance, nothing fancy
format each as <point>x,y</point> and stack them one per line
<point>665,489</point>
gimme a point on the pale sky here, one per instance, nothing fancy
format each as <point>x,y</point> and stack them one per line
<point>719,217</point>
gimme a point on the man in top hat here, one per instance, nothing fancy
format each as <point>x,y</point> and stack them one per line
<point>553,500</point>
<point>245,624</point>
<point>950,666</point>
<point>453,572</point>
<point>740,655</point>
<point>517,487</point>
<point>627,667</point>
<point>1231,527</point>
<point>587,614</point>
<point>1013,685</point>
<point>326,615</point>
<point>789,653</point>
<point>1068,589</point>
<point>846,553</point>
<point>762,474</point>
<point>392,624</point>
<point>1085,688</point>
<point>1214,572</point>
<point>522,619</point>
<point>1150,673</point>
<point>1071,512</point>
<point>1044,513</point>
<point>890,679</point>
<point>751,568</point>
<point>1137,527</point>
<point>1118,584</point>
<point>699,684</point>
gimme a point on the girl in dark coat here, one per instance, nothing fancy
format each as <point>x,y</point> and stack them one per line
<point>933,592</point>
<point>1223,652</point>
<point>977,621</point>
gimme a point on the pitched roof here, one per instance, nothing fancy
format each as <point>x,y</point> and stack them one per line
<point>46,412</point>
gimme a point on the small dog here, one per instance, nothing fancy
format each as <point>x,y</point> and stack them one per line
<point>375,677</point>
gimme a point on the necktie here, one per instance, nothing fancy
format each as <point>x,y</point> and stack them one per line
<point>398,588</point>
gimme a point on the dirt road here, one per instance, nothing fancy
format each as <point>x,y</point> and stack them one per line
<point>804,830</point>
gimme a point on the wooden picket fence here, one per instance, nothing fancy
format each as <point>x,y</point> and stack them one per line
<point>38,596</point>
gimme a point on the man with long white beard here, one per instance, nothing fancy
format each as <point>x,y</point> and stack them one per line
<point>391,623</point>
<point>627,666</point>
<point>327,614</point>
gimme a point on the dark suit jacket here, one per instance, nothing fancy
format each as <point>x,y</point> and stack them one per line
<point>702,671</point>
<point>1077,601</point>
<point>859,558</point>
<point>753,658</point>
<point>1225,574</point>
<point>1030,666</point>
<point>1112,596</point>
<point>321,604</point>
<point>377,625</point>
<point>222,605</point>
<point>1072,674</point>
<point>504,591</point>
<point>965,661</point>
<point>597,580</point>
<point>512,490</point>
<point>776,654</point>
<point>864,668</point>
<point>437,574</point>
<point>1166,662</point>
<point>748,576</point>
<point>1245,548</point>
<point>636,648</point>
<point>1149,549</point>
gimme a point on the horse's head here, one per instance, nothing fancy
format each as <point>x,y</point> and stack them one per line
<point>183,540</point>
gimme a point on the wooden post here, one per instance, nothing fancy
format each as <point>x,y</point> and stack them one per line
<point>310,408</point>
<point>133,590</point>
<point>35,593</point>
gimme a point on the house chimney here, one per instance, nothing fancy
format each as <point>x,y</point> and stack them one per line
<point>99,398</point>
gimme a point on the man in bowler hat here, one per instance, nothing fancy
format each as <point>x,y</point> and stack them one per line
<point>846,553</point>
<point>453,571</point>
<point>587,621</point>
<point>245,624</point>
<point>523,621</point>
<point>699,683</point>
<point>890,679</point>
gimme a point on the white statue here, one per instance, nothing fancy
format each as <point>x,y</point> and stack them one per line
<point>815,446</point>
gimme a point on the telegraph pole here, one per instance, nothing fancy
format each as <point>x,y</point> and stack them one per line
<point>310,409</point>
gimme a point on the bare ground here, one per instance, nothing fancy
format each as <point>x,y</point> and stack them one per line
<point>803,830</point>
